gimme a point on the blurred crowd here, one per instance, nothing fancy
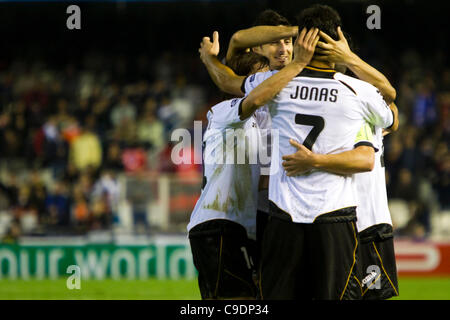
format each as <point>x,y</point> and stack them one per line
<point>67,132</point>
<point>417,157</point>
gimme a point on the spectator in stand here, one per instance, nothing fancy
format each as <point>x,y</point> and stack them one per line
<point>58,206</point>
<point>150,132</point>
<point>105,198</point>
<point>81,215</point>
<point>83,110</point>
<point>134,158</point>
<point>407,189</point>
<point>38,194</point>
<point>168,115</point>
<point>113,158</point>
<point>10,190</point>
<point>13,234</point>
<point>71,174</point>
<point>107,185</point>
<point>424,111</point>
<point>441,180</point>
<point>85,182</point>
<point>124,111</point>
<point>86,150</point>
<point>101,112</point>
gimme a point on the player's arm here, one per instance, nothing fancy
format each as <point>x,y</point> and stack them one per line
<point>359,159</point>
<point>269,88</point>
<point>224,77</point>
<point>395,122</point>
<point>339,52</point>
<point>255,36</point>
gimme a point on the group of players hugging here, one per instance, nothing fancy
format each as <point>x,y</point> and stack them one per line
<point>313,222</point>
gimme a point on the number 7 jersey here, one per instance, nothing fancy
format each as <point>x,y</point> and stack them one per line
<point>323,110</point>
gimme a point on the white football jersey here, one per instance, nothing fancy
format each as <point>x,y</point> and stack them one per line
<point>324,110</point>
<point>265,124</point>
<point>231,169</point>
<point>371,191</point>
<point>264,121</point>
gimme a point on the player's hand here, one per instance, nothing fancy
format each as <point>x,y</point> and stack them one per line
<point>334,51</point>
<point>305,45</point>
<point>298,163</point>
<point>208,48</point>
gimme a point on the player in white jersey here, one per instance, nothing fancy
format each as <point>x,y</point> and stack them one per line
<point>378,264</point>
<point>314,215</point>
<point>374,224</point>
<point>224,217</point>
<point>270,36</point>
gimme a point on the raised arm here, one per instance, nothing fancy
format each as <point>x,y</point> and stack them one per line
<point>339,52</point>
<point>269,88</point>
<point>255,36</point>
<point>224,77</point>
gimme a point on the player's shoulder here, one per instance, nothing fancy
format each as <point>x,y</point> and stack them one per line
<point>260,75</point>
<point>226,112</point>
<point>253,80</point>
<point>359,87</point>
<point>224,105</point>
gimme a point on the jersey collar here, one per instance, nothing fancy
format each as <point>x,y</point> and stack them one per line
<point>317,72</point>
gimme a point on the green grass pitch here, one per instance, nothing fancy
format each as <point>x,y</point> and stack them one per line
<point>410,289</point>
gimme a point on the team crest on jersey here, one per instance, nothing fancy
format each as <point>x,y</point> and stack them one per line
<point>233,102</point>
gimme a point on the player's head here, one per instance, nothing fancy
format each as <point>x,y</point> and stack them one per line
<point>279,52</point>
<point>248,63</point>
<point>320,16</point>
<point>245,64</point>
<point>270,17</point>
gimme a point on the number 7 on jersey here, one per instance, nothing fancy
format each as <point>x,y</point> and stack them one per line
<point>316,122</point>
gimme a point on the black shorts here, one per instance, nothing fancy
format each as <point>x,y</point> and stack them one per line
<point>310,261</point>
<point>378,266</point>
<point>261,222</point>
<point>223,256</point>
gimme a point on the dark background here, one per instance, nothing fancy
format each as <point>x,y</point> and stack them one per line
<point>38,30</point>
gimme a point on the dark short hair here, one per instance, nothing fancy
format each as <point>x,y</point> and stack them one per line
<point>243,63</point>
<point>270,17</point>
<point>320,16</point>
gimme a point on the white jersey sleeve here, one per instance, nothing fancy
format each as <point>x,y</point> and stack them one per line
<point>372,208</point>
<point>252,81</point>
<point>226,113</point>
<point>374,108</point>
<point>264,121</point>
<point>378,112</point>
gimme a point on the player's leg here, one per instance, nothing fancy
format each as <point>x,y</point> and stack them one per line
<point>333,246</point>
<point>378,263</point>
<point>223,256</point>
<point>281,266</point>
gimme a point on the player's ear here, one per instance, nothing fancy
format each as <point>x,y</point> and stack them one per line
<point>256,49</point>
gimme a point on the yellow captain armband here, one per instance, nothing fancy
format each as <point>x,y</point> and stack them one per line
<point>365,133</point>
